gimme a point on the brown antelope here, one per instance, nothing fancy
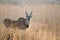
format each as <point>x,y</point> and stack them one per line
<point>21,23</point>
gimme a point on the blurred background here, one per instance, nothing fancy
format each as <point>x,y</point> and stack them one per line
<point>45,23</point>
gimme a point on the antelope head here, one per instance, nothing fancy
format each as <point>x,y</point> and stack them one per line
<point>28,16</point>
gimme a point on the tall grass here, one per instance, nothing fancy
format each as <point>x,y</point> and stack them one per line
<point>40,32</point>
<point>44,25</point>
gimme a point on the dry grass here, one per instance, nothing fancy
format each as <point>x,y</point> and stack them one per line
<point>43,26</point>
<point>40,32</point>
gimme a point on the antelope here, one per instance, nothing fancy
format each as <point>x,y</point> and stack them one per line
<point>21,23</point>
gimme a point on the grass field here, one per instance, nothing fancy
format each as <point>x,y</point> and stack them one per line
<point>44,25</point>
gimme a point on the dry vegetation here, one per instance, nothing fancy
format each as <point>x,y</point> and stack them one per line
<point>44,25</point>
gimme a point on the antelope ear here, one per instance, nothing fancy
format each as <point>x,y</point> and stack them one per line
<point>26,13</point>
<point>31,14</point>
